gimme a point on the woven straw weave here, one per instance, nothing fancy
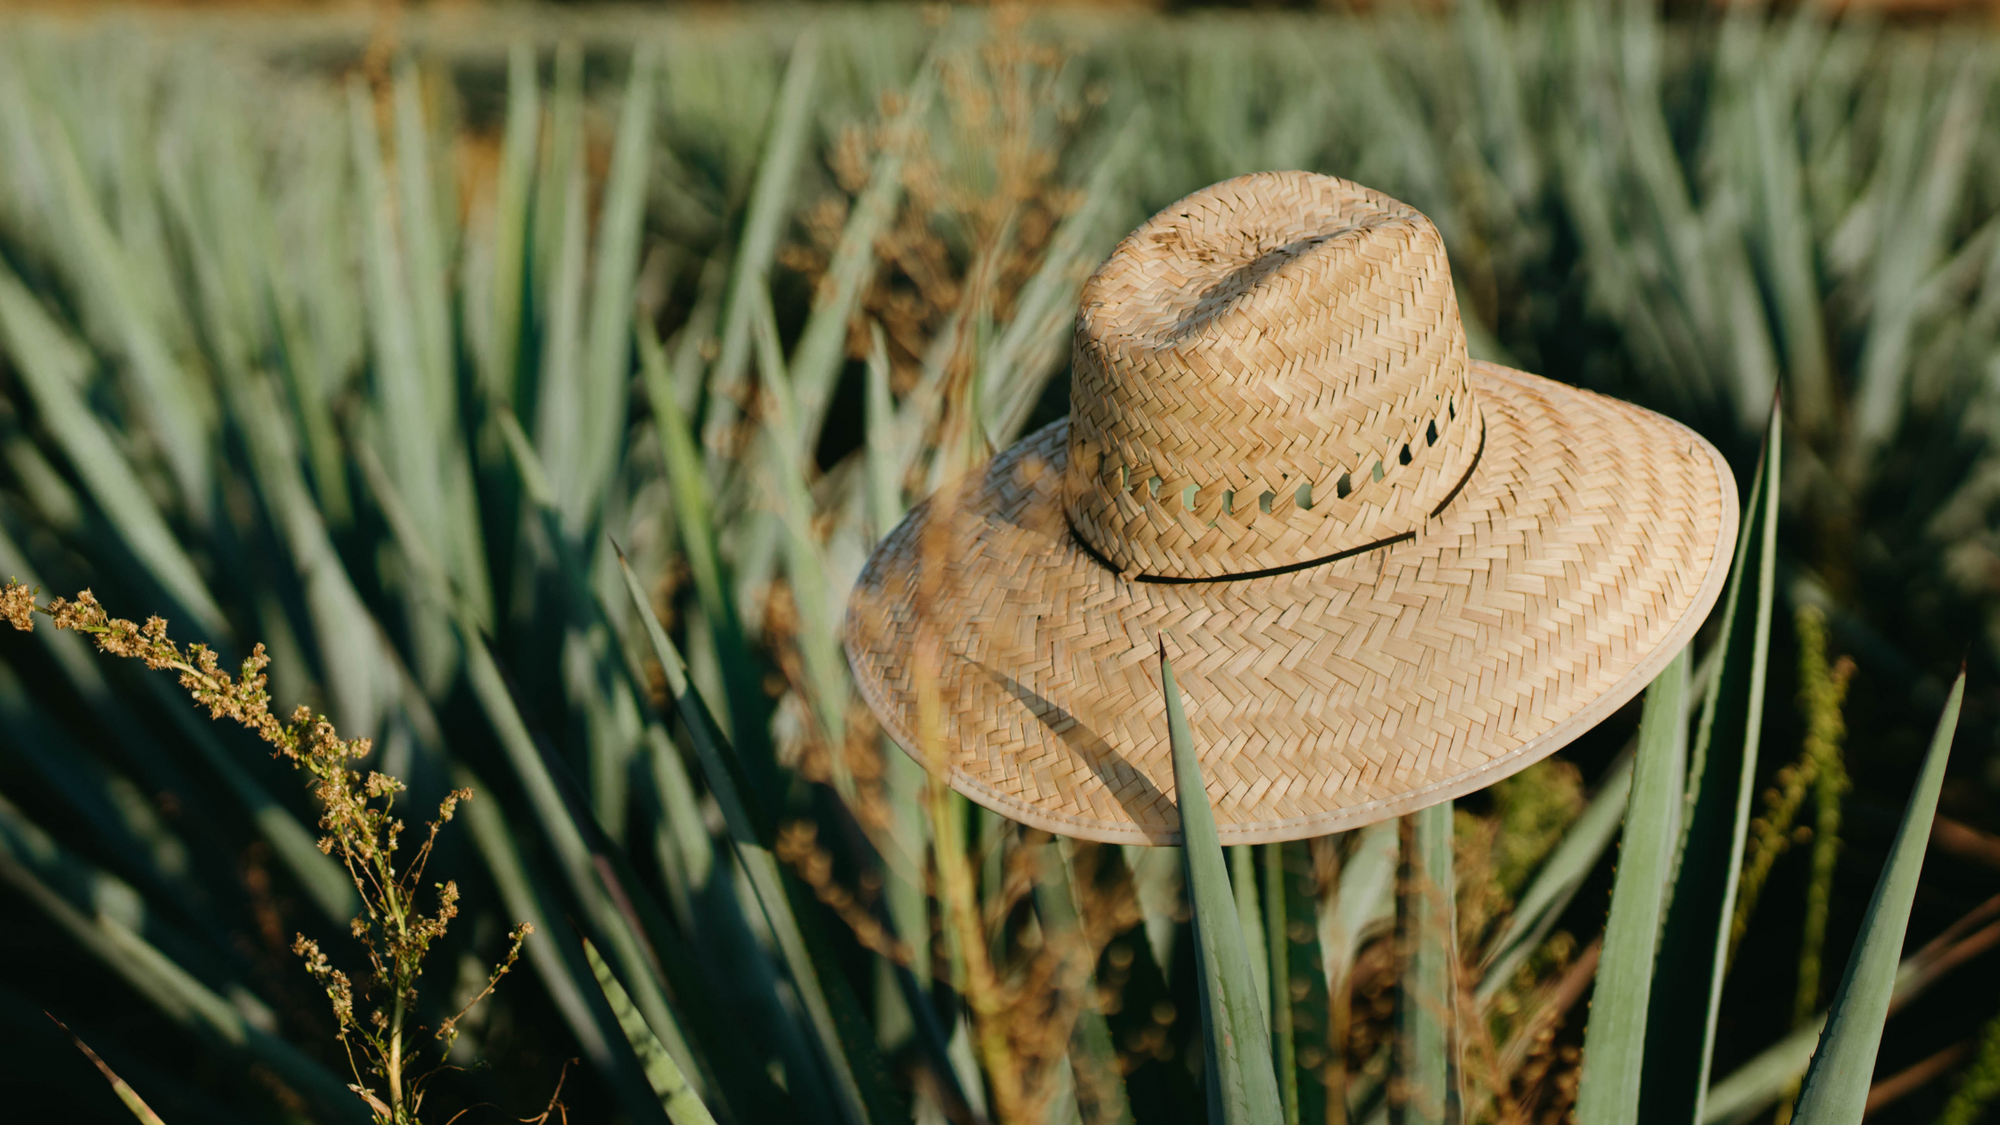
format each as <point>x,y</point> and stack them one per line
<point>1271,371</point>
<point>1516,580</point>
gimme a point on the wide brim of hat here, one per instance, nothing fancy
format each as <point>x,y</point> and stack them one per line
<point>1587,545</point>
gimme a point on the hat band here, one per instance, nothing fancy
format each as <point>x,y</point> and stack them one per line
<point>1288,568</point>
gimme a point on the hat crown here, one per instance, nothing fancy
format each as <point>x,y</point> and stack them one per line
<point>1267,374</point>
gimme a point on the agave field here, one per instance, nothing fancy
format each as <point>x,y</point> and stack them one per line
<point>520,397</point>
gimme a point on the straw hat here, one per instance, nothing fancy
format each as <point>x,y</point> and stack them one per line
<point>1387,574</point>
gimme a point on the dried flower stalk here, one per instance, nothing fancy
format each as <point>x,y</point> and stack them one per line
<point>361,830</point>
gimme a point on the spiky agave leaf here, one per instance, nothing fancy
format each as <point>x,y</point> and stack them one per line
<point>1836,1088</point>
<point>1241,1085</point>
<point>1615,1039</point>
<point>1722,772</point>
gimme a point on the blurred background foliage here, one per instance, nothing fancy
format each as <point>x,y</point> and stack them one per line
<point>370,338</point>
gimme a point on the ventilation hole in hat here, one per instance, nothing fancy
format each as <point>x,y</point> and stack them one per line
<point>1403,458</point>
<point>1343,486</point>
<point>1431,434</point>
<point>1264,501</point>
<point>1153,488</point>
<point>1451,409</point>
<point>1304,497</point>
<point>1229,502</point>
<point>1378,470</point>
<point>1187,496</point>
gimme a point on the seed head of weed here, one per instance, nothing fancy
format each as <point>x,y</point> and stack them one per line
<point>360,829</point>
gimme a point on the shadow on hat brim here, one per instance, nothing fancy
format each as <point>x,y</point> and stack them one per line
<point>1587,546</point>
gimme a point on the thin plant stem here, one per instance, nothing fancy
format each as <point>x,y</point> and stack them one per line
<point>1980,1082</point>
<point>1822,691</point>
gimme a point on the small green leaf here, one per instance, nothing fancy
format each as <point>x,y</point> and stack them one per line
<point>1242,1087</point>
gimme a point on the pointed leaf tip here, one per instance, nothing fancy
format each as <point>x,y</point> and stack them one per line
<point>1836,1087</point>
<point>1242,1083</point>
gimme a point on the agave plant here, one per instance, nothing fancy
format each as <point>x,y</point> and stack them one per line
<point>537,414</point>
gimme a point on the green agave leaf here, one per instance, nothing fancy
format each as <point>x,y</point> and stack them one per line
<point>1926,187</point>
<point>1242,1087</point>
<point>323,881</point>
<point>810,376</point>
<point>1363,899</point>
<point>1156,881</point>
<point>1250,917</point>
<point>1758,1084</point>
<point>815,361</point>
<point>410,421</point>
<point>560,392</point>
<point>607,363</point>
<point>308,348</point>
<point>53,369</point>
<point>846,1045</point>
<point>904,785</point>
<point>518,892</point>
<point>1573,859</point>
<point>1701,894</point>
<point>178,408</point>
<point>885,486</point>
<point>425,232</point>
<point>1773,1072</point>
<point>406,401</point>
<point>723,954</point>
<point>161,980</point>
<point>603,895</point>
<point>805,565</point>
<point>1277,937</point>
<point>1558,880</point>
<point>91,789</point>
<point>554,170</point>
<point>1836,1088</point>
<point>1425,1052</point>
<point>1359,900</point>
<point>683,1105</point>
<point>349,636</point>
<point>589,867</point>
<point>694,517</point>
<point>513,224</point>
<point>1093,1057</point>
<point>1786,247</point>
<point>1031,346</point>
<point>763,223</point>
<point>422,243</point>
<point>1615,1041</point>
